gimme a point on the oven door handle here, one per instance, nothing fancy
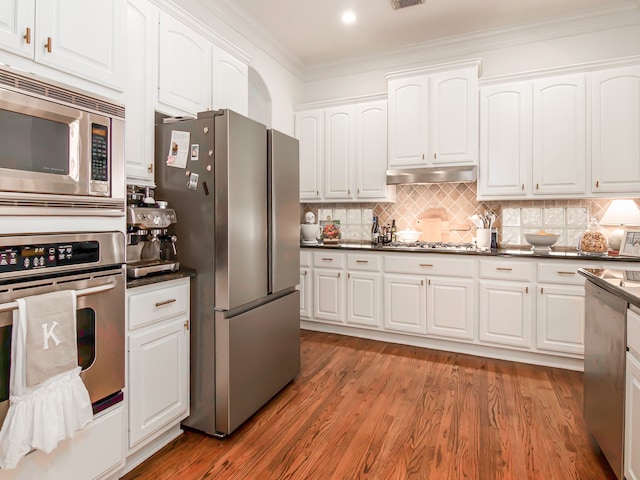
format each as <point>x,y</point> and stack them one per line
<point>7,307</point>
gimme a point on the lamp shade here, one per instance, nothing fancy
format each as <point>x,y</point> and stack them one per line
<point>621,212</point>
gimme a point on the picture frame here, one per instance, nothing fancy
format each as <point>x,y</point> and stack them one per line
<point>630,246</point>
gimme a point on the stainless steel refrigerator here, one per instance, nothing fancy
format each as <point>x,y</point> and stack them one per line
<point>234,187</point>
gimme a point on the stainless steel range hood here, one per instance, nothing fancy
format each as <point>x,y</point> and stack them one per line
<point>463,174</point>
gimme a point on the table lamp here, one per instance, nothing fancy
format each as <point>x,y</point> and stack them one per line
<point>621,212</point>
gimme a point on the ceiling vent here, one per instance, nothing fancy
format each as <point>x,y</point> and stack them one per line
<point>404,3</point>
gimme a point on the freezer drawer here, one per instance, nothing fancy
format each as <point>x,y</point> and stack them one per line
<point>257,354</point>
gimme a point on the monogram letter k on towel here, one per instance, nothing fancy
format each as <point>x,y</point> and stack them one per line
<point>47,400</point>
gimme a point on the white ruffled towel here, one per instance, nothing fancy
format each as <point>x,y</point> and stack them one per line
<point>48,402</point>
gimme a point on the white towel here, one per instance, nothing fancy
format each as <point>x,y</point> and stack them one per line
<point>48,402</point>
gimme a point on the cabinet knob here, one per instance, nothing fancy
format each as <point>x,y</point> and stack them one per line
<point>27,36</point>
<point>186,324</point>
<point>435,156</point>
<point>537,186</point>
<point>348,191</point>
<point>423,156</point>
<point>523,186</point>
<point>597,184</point>
<point>348,275</point>
<point>48,45</point>
<point>541,290</point>
<point>526,290</point>
<point>150,168</point>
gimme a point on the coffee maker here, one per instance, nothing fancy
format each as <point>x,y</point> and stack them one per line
<point>150,246</point>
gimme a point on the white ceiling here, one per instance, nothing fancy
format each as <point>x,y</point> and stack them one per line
<point>312,33</point>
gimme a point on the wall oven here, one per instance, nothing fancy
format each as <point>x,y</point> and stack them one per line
<point>60,147</point>
<point>92,264</point>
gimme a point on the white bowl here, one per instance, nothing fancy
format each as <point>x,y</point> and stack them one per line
<point>407,236</point>
<point>539,241</point>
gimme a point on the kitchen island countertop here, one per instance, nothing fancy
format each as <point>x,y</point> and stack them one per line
<point>500,252</point>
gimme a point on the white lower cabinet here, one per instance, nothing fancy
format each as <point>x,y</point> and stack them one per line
<point>450,311</point>
<point>363,298</point>
<point>158,359</point>
<point>328,289</point>
<point>632,419</point>
<point>560,318</point>
<point>505,313</point>
<point>405,303</point>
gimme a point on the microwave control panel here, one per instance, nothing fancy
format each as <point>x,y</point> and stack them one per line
<point>99,159</point>
<point>39,257</point>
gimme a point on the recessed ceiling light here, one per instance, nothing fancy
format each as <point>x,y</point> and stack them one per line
<point>348,17</point>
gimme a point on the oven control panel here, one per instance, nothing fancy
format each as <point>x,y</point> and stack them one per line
<point>18,258</point>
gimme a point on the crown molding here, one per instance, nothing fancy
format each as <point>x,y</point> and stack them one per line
<point>245,25</point>
<point>564,70</point>
<point>470,45</point>
<point>443,67</point>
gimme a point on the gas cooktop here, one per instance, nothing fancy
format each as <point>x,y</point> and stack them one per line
<point>436,246</point>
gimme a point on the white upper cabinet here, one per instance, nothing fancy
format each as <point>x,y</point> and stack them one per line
<point>339,146</point>
<point>615,122</point>
<point>16,26</point>
<point>433,116</point>
<point>559,135</point>
<point>184,68</point>
<point>142,71</point>
<point>371,149</point>
<point>230,82</point>
<point>343,152</point>
<point>408,121</point>
<point>84,39</point>
<point>454,117</point>
<point>505,139</point>
<point>310,133</point>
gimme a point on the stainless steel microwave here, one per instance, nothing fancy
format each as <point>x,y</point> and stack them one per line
<point>59,145</point>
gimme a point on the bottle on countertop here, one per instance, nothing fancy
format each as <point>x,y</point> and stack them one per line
<point>393,231</point>
<point>375,231</point>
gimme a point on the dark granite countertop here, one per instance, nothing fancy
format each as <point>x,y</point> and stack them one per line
<point>623,283</point>
<point>501,252</point>
<point>161,277</point>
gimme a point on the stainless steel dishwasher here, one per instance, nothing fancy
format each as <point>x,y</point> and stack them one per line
<point>604,372</point>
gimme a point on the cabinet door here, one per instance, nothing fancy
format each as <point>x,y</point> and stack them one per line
<point>408,122</point>
<point>560,319</point>
<point>632,419</point>
<point>328,295</point>
<point>559,135</point>
<point>505,139</point>
<point>616,130</point>
<point>453,107</point>
<point>450,307</point>
<point>371,150</point>
<point>405,303</point>
<point>363,299</point>
<point>310,133</point>
<point>16,26</point>
<point>305,293</point>
<point>505,313</point>
<point>84,38</point>
<point>339,155</point>
<point>184,68</point>
<point>230,82</point>
<point>141,87</point>
<point>158,377</point>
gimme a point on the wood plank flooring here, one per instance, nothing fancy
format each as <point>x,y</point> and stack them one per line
<point>362,409</point>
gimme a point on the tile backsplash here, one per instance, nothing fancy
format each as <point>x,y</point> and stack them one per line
<point>569,218</point>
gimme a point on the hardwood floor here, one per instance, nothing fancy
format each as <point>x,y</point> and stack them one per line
<point>362,409</point>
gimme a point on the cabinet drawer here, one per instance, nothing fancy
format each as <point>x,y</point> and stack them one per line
<point>158,303</point>
<point>633,331</point>
<point>507,270</point>
<point>560,273</point>
<point>305,259</point>
<point>369,263</point>
<point>328,260</point>
<point>430,265</point>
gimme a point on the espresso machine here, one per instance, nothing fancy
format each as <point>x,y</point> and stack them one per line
<point>150,246</point>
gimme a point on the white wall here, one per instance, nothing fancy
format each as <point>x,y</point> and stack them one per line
<point>497,59</point>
